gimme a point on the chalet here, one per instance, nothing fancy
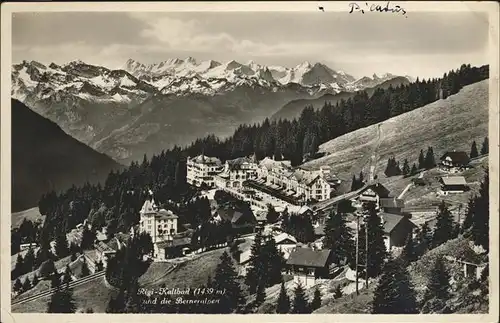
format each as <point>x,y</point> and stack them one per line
<point>392,205</point>
<point>454,161</point>
<point>397,228</point>
<point>307,265</point>
<point>242,220</point>
<point>373,193</point>
<point>453,184</point>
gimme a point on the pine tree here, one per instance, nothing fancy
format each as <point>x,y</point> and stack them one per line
<point>62,246</point>
<point>316,302</point>
<point>338,292</point>
<point>47,268</point>
<point>414,169</point>
<point>29,261</point>
<point>35,280</point>
<point>272,215</point>
<point>62,302</point>
<point>394,293</point>
<point>55,280</point>
<point>430,161</point>
<point>406,168</point>
<point>19,266</point>
<point>261,294</point>
<point>17,285</point>
<point>300,302</point>
<point>339,238</point>
<point>481,218</point>
<point>377,251</point>
<point>361,179</point>
<point>85,269</point>
<point>484,146</point>
<point>439,282</point>
<point>473,150</point>
<point>283,306</point>
<point>116,304</point>
<point>424,239</point>
<point>226,279</point>
<point>444,226</point>
<point>67,275</point>
<point>273,262</point>
<point>133,304</point>
<point>26,284</point>
<point>421,160</point>
<point>255,266</point>
<point>469,214</point>
<point>408,252</point>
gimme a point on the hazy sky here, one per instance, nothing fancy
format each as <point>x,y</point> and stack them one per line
<point>423,44</point>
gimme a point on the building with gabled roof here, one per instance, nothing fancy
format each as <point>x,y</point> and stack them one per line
<point>453,184</point>
<point>307,265</point>
<point>455,159</point>
<point>392,205</point>
<point>397,229</point>
<point>372,193</point>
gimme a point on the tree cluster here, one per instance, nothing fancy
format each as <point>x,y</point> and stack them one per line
<point>299,226</point>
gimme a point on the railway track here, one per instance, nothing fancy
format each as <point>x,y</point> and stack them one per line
<point>51,291</point>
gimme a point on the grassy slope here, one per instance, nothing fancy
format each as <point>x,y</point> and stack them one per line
<point>447,124</point>
<point>30,214</point>
<point>93,294</point>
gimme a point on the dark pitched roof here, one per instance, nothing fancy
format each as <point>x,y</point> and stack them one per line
<point>392,202</point>
<point>453,180</point>
<point>236,217</point>
<point>392,220</point>
<point>309,257</point>
<point>176,242</point>
<point>459,157</point>
<point>378,188</point>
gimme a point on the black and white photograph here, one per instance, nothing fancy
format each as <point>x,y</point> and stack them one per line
<point>279,158</point>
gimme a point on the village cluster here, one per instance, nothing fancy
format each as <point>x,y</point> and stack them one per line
<point>295,190</point>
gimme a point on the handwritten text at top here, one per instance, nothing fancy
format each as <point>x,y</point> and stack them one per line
<point>366,7</point>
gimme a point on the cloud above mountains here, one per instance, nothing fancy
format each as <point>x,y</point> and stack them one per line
<point>425,44</point>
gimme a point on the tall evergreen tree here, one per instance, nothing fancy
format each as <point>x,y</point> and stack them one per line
<point>226,279</point>
<point>354,183</point>
<point>272,215</point>
<point>377,251</point>
<point>339,238</point>
<point>473,150</point>
<point>300,302</point>
<point>408,252</point>
<point>85,269</point>
<point>444,226</point>
<point>316,302</point>
<point>29,261</point>
<point>414,169</point>
<point>19,266</point>
<point>273,263</point>
<point>481,218</point>
<point>283,305</point>
<point>62,302</point>
<point>133,304</point>
<point>255,270</point>
<point>406,168</point>
<point>424,239</point>
<point>18,286</point>
<point>26,284</point>
<point>47,268</point>
<point>484,146</point>
<point>67,275</point>
<point>421,160</point>
<point>430,160</point>
<point>439,282</point>
<point>261,294</point>
<point>469,214</point>
<point>62,246</point>
<point>394,293</point>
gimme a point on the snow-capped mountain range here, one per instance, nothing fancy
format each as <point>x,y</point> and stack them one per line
<point>33,81</point>
<point>145,108</point>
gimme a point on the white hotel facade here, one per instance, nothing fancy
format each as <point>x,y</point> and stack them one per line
<point>265,182</point>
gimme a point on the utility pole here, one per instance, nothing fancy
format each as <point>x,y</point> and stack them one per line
<point>357,252</point>
<point>366,252</point>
